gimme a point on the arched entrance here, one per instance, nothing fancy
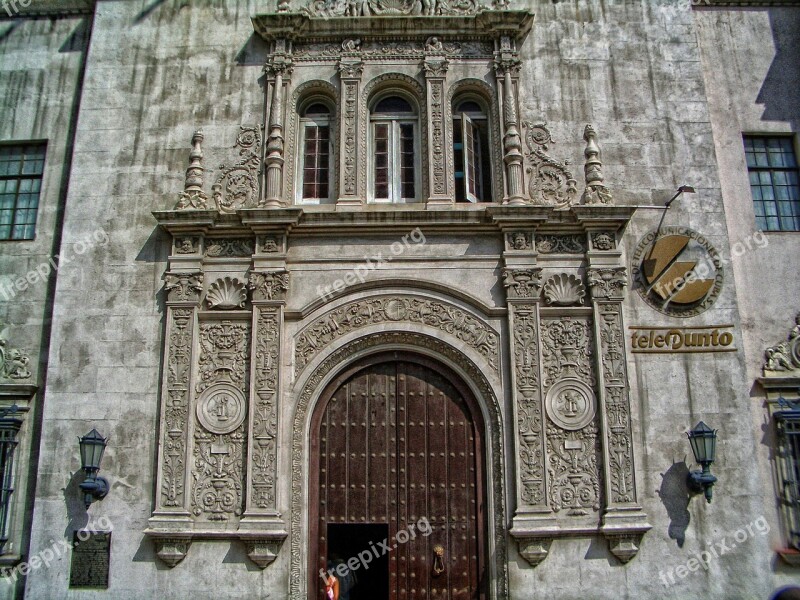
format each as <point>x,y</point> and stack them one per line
<point>396,482</point>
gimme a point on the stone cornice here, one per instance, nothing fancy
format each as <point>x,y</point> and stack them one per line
<point>381,218</point>
<point>486,25</point>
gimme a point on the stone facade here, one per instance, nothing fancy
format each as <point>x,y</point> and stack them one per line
<point>201,305</point>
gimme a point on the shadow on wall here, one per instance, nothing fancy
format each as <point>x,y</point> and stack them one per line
<point>674,494</point>
<point>76,510</point>
<point>776,93</point>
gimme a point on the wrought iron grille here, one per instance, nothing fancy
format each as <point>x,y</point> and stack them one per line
<point>9,427</point>
<point>788,460</point>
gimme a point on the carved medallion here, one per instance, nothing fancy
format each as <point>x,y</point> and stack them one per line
<point>221,408</point>
<point>571,404</point>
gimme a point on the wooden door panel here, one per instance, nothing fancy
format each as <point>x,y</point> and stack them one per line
<point>397,445</point>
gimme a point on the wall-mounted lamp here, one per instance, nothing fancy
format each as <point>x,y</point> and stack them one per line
<point>703,440</point>
<point>684,189</point>
<point>92,447</point>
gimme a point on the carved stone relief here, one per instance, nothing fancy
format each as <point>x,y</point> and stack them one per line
<point>564,290</point>
<point>618,435</point>
<point>499,568</point>
<point>518,240</point>
<point>173,444</point>
<point>183,287</point>
<point>13,361</point>
<point>218,465</point>
<point>362,313</point>
<point>229,247</point>
<point>265,414</point>
<point>237,185</point>
<point>529,404</point>
<point>786,355</point>
<point>269,285</point>
<point>573,447</point>
<point>549,182</point>
<point>226,293</point>
<point>560,244</point>
<point>366,8</point>
<point>605,240</point>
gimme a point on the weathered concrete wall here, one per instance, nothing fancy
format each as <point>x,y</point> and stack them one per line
<point>40,62</point>
<point>749,63</point>
<point>158,71</point>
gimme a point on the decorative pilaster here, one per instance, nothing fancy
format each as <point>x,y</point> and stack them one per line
<point>435,67</point>
<point>193,195</point>
<point>596,192</point>
<point>279,68</point>
<point>624,523</point>
<point>523,290</point>
<point>507,67</point>
<point>350,69</point>
<point>183,300</point>
<point>261,518</point>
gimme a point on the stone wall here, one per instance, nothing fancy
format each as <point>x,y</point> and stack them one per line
<point>157,72</point>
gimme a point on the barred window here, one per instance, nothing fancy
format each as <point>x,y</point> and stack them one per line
<point>788,464</point>
<point>9,427</point>
<point>315,166</point>
<point>772,167</point>
<point>21,167</point>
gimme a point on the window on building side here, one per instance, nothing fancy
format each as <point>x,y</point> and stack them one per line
<point>471,153</point>
<point>9,427</point>
<point>788,463</point>
<point>21,167</point>
<point>394,176</point>
<point>773,174</point>
<point>315,127</point>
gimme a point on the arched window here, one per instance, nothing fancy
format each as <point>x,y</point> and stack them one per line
<point>471,152</point>
<point>315,164</point>
<point>394,173</point>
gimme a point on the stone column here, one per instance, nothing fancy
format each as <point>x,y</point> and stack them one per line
<point>623,521</point>
<point>172,511</point>
<point>533,521</point>
<point>507,67</point>
<point>262,529</point>
<point>435,67</point>
<point>350,159</point>
<point>279,68</point>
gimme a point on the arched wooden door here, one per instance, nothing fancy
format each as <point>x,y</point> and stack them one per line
<point>396,486</point>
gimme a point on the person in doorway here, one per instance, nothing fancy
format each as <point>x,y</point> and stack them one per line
<point>331,583</point>
<point>344,583</point>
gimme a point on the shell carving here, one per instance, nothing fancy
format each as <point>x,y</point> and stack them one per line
<point>226,294</point>
<point>564,290</point>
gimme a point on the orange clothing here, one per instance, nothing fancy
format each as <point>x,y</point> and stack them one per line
<point>332,588</point>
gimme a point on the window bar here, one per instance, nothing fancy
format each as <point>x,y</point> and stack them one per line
<point>9,427</point>
<point>788,426</point>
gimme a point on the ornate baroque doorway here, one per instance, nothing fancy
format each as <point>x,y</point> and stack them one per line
<point>396,483</point>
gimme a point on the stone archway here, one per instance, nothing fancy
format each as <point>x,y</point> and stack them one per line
<point>309,393</point>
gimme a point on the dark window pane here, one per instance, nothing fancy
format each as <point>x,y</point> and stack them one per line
<point>317,109</point>
<point>393,104</point>
<point>21,168</point>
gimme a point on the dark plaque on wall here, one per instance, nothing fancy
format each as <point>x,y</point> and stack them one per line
<point>91,552</point>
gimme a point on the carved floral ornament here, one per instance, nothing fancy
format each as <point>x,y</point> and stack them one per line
<point>784,359</point>
<point>366,8</point>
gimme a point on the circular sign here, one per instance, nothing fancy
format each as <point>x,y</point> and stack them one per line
<point>570,404</point>
<point>677,271</point>
<point>221,408</point>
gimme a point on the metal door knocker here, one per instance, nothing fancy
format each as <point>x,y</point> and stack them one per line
<point>438,560</point>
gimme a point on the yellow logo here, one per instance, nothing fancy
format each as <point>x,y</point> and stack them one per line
<point>678,273</point>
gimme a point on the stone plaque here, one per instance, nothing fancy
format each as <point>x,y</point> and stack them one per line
<point>91,554</point>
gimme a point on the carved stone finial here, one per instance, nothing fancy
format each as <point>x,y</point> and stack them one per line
<point>192,195</point>
<point>786,355</point>
<point>534,549</point>
<point>596,192</point>
<point>172,550</point>
<point>283,6</point>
